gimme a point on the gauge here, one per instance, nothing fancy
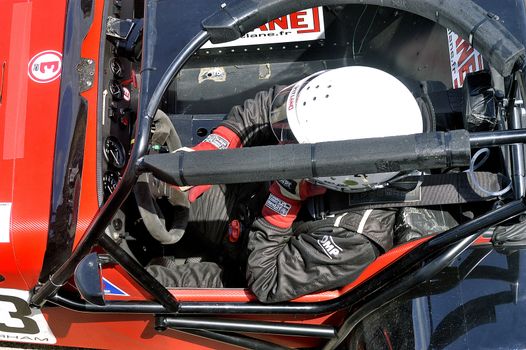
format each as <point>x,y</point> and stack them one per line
<point>116,90</point>
<point>109,181</point>
<point>116,68</point>
<point>114,152</point>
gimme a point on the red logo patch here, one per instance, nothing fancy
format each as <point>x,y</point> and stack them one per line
<point>45,66</point>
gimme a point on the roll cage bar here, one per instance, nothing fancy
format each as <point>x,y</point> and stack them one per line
<point>481,28</point>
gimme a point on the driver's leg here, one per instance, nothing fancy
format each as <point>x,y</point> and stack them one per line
<point>212,213</point>
<point>208,221</point>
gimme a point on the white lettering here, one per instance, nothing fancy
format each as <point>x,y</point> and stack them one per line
<point>327,245</point>
<point>329,248</point>
<point>277,205</point>
<point>334,252</point>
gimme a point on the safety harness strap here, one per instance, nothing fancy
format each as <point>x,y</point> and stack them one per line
<point>437,189</point>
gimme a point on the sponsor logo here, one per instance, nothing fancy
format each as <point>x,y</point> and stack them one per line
<point>45,66</point>
<point>463,59</point>
<point>303,25</point>
<point>292,98</point>
<point>328,247</point>
<point>126,94</point>
<point>218,141</point>
<point>277,205</point>
<point>24,338</point>
<point>111,289</point>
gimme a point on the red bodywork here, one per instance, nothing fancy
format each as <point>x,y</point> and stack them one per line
<point>28,115</point>
<point>28,118</point>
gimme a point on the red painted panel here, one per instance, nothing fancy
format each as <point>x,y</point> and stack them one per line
<point>28,114</point>
<point>134,332</point>
<point>32,182</point>
<point>116,332</point>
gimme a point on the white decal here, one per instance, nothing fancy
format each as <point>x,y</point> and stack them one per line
<point>365,216</point>
<point>331,249</point>
<point>277,205</point>
<point>463,59</point>
<point>217,141</point>
<point>5,220</point>
<point>45,66</point>
<point>126,93</point>
<point>303,25</point>
<point>19,322</point>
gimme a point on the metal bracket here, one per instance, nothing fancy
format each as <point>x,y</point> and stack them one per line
<point>116,228</point>
<point>119,28</point>
<point>86,70</point>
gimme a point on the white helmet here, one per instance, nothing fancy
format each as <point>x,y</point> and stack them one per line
<point>347,103</point>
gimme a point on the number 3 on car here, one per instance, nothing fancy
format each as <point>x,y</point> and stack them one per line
<point>19,322</point>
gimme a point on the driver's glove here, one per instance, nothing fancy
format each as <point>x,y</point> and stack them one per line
<point>284,201</point>
<point>221,138</point>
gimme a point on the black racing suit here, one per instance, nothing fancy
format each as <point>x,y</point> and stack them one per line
<point>282,264</point>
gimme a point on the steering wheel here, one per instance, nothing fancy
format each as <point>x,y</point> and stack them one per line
<point>148,189</point>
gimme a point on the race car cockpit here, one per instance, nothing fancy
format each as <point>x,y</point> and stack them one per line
<point>170,80</point>
<point>220,76</point>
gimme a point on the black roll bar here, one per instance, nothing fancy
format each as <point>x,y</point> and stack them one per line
<point>235,339</point>
<point>437,150</point>
<point>245,326</point>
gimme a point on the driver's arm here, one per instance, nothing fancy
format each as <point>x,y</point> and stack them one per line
<point>250,121</point>
<point>245,125</point>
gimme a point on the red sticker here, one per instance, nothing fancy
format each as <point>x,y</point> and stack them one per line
<point>45,66</point>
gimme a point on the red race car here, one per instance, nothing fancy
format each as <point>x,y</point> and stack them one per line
<point>85,184</point>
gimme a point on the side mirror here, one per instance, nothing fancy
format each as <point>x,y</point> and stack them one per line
<point>88,279</point>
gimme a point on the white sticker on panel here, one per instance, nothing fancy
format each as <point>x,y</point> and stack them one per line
<point>19,322</point>
<point>5,220</point>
